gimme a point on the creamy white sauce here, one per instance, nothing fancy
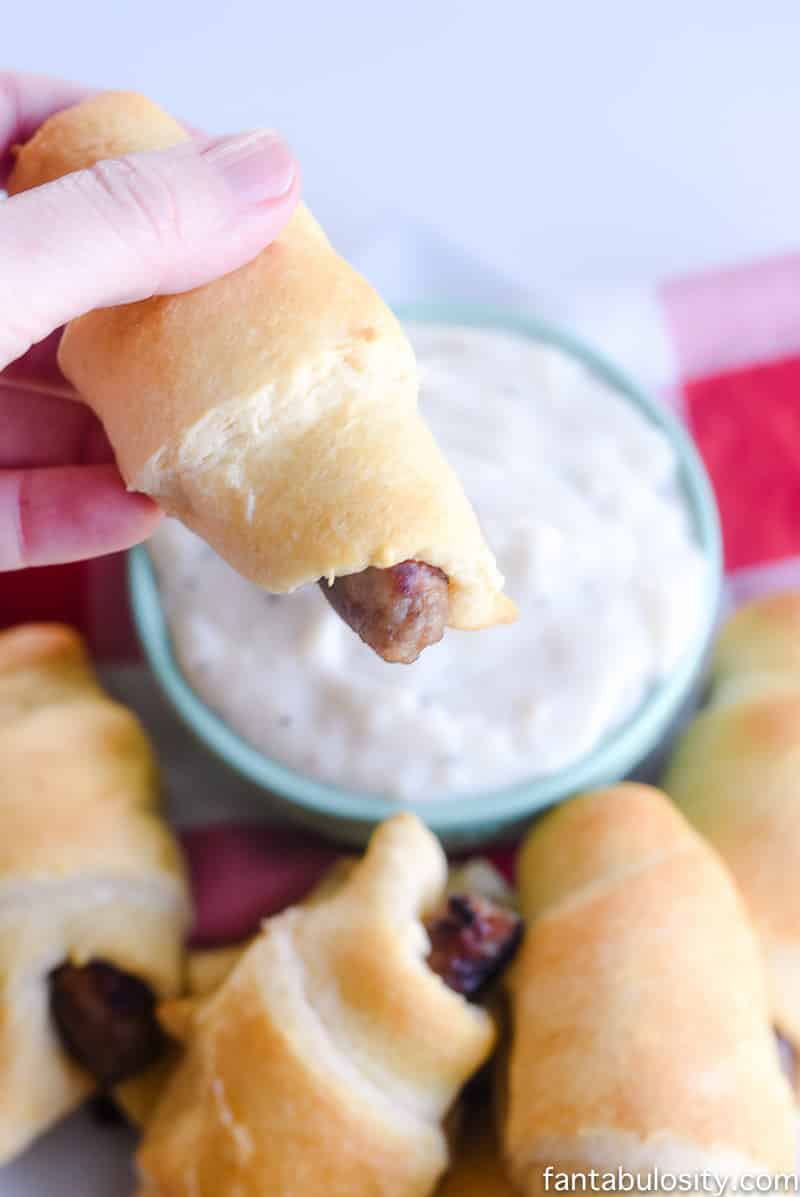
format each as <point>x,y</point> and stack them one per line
<point>577,495</point>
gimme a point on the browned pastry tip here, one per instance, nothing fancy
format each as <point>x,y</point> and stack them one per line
<point>472,941</point>
<point>398,611</point>
<point>106,1020</point>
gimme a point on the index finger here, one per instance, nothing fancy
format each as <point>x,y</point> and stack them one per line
<point>25,102</point>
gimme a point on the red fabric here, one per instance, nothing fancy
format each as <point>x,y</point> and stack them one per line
<point>54,592</point>
<point>747,426</point>
<point>241,874</point>
<point>109,623</point>
<point>89,595</point>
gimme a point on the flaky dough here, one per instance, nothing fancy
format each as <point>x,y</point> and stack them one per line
<point>735,775</point>
<point>641,1033</point>
<point>87,868</point>
<point>273,411</point>
<point>327,1059</point>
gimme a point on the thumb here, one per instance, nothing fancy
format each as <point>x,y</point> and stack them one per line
<point>125,229</point>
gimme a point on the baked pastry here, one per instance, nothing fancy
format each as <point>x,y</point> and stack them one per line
<point>472,935</point>
<point>274,412</point>
<point>640,1026</point>
<point>328,1059</point>
<point>735,774</point>
<point>93,897</point>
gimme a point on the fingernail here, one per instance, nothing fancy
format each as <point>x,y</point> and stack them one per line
<point>257,166</point>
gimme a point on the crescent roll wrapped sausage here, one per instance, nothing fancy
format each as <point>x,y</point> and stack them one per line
<point>93,900</point>
<point>275,412</point>
<point>472,935</point>
<point>327,1060</point>
<point>736,776</point>
<point>641,1034</point>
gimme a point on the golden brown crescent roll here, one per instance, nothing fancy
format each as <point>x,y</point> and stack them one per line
<point>736,776</point>
<point>93,899</point>
<point>207,968</point>
<point>640,1025</point>
<point>273,411</point>
<point>327,1060</point>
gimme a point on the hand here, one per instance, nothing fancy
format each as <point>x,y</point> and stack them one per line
<point>150,224</point>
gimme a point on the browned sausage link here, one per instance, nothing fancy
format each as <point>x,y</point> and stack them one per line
<point>106,1020</point>
<point>472,942</point>
<point>398,612</point>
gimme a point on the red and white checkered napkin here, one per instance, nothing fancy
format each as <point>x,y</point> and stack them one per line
<point>723,349</point>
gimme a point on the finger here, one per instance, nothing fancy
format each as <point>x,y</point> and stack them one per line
<point>68,514</point>
<point>40,430</point>
<point>38,369</point>
<point>159,222</point>
<point>26,101</point>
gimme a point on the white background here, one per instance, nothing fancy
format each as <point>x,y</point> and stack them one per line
<point>565,144</point>
<point>564,140</point>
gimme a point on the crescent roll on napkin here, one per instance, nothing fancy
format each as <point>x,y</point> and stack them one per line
<point>275,412</point>
<point>93,901</point>
<point>328,1058</point>
<point>640,1036</point>
<point>736,776</point>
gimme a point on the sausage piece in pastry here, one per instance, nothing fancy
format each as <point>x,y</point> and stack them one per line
<point>93,899</point>
<point>472,935</point>
<point>275,413</point>
<point>329,1057</point>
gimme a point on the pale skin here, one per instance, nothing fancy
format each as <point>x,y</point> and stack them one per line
<point>155,223</point>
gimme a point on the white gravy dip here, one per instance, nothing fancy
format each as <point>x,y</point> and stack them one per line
<point>577,495</point>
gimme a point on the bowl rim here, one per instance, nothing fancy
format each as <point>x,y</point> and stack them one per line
<point>618,751</point>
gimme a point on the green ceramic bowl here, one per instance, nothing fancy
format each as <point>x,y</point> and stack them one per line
<point>349,816</point>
